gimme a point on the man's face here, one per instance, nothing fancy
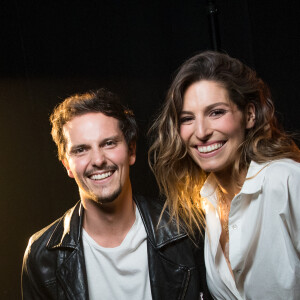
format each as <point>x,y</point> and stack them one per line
<point>98,157</point>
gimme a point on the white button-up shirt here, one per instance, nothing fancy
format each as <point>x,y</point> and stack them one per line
<point>264,235</point>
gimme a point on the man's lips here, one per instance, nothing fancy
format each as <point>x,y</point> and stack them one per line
<point>101,176</point>
<point>210,148</point>
<point>98,174</point>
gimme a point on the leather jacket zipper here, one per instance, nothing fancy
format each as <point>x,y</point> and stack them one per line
<point>186,284</point>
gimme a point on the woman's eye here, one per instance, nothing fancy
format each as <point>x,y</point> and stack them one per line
<point>217,112</point>
<point>185,119</point>
<point>110,143</point>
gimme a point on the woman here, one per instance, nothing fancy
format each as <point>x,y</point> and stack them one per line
<point>217,134</point>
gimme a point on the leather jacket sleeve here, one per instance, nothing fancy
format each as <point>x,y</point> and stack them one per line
<point>30,285</point>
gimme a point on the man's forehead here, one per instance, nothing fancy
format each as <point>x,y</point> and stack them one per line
<point>90,119</point>
<point>91,125</point>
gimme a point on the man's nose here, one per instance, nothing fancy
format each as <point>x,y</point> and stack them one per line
<point>98,157</point>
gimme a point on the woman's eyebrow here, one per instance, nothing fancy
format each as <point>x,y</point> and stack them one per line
<point>217,104</point>
<point>186,112</point>
<point>209,107</point>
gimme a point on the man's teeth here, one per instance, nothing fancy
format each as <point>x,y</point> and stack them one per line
<point>101,176</point>
<point>205,149</point>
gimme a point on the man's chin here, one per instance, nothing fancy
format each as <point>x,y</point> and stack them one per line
<point>108,198</point>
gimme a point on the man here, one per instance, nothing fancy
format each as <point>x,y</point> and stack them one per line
<point>108,245</point>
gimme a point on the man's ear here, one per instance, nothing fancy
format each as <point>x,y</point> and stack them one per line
<point>250,116</point>
<point>66,165</point>
<point>132,153</point>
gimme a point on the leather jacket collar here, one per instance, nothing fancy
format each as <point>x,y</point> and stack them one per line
<point>67,233</point>
<point>176,267</point>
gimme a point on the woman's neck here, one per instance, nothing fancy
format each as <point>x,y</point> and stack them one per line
<point>228,185</point>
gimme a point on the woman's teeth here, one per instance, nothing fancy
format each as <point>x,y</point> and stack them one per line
<point>101,176</point>
<point>205,149</point>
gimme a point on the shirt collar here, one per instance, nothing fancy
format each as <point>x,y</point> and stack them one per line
<point>208,190</point>
<point>253,183</point>
<point>255,178</point>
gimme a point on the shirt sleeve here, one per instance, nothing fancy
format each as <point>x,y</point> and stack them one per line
<point>284,188</point>
<point>291,213</point>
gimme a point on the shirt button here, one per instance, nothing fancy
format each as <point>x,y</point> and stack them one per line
<point>234,227</point>
<point>238,271</point>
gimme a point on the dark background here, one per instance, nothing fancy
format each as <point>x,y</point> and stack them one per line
<point>52,49</point>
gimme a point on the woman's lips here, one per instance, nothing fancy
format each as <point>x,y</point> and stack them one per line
<point>210,148</point>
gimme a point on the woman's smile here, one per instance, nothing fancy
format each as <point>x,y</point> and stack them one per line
<point>210,148</point>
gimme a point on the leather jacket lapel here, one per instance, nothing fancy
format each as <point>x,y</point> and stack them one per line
<point>160,234</point>
<point>67,233</point>
<point>66,239</point>
<point>168,280</point>
<point>72,276</point>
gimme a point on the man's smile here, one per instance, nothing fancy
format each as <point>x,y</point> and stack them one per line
<point>101,176</point>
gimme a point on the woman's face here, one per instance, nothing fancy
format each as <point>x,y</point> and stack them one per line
<point>212,126</point>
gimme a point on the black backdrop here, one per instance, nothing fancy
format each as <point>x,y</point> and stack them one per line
<point>52,49</point>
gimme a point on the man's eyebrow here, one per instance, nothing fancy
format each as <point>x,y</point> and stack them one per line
<point>74,147</point>
<point>114,137</point>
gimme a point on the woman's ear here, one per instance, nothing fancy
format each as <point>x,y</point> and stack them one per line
<point>250,116</point>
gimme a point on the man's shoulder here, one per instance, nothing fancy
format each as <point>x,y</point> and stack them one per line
<point>167,237</point>
<point>41,237</point>
<point>36,255</point>
<point>47,250</point>
<point>152,206</point>
<point>161,229</point>
<point>152,210</point>
<point>39,241</point>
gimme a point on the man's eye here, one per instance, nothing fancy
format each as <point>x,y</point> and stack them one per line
<point>78,150</point>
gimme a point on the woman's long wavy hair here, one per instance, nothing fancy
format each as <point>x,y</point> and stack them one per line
<point>178,176</point>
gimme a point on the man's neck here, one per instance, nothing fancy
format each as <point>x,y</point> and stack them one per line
<point>108,224</point>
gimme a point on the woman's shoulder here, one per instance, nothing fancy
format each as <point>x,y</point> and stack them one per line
<point>282,167</point>
<point>281,187</point>
<point>282,172</point>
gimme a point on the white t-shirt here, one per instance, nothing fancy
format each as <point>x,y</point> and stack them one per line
<point>121,272</point>
<point>264,236</point>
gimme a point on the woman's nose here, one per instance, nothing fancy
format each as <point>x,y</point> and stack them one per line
<point>203,129</point>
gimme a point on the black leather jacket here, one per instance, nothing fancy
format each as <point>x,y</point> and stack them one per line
<point>54,266</point>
